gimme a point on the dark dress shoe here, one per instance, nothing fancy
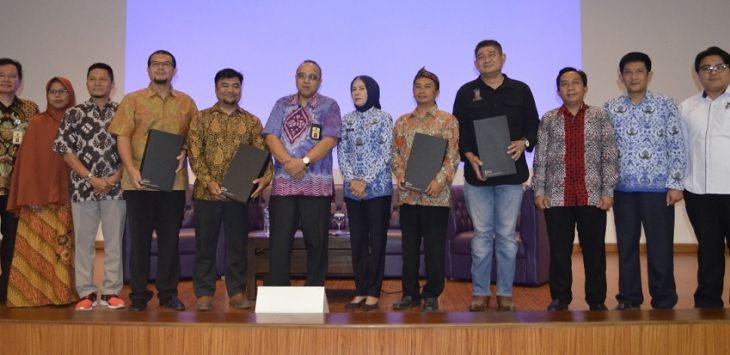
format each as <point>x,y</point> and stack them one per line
<point>369,307</point>
<point>173,303</point>
<point>557,305</point>
<point>430,305</point>
<point>597,307</point>
<point>138,305</point>
<point>405,303</point>
<point>355,305</point>
<point>626,306</point>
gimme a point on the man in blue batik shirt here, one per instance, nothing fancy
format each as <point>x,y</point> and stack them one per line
<point>651,168</point>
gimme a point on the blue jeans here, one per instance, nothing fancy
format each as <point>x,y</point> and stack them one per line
<point>494,211</point>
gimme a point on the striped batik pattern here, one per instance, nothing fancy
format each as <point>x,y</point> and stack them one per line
<point>42,272</point>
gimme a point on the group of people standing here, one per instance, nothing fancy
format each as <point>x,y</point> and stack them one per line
<point>76,166</point>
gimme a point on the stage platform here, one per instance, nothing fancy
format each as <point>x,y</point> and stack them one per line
<point>53,330</point>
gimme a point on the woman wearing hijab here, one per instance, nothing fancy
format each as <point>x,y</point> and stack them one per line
<point>42,270</point>
<point>364,158</point>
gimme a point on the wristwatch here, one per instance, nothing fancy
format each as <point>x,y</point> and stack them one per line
<point>527,142</point>
<point>305,160</point>
<point>88,177</point>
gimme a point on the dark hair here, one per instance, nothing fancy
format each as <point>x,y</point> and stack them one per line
<point>423,73</point>
<point>313,63</point>
<point>101,66</point>
<point>632,57</point>
<point>18,66</point>
<point>583,76</point>
<point>162,51</point>
<point>708,52</point>
<point>227,73</point>
<point>487,43</point>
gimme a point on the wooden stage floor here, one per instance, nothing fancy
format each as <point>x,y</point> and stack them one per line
<point>531,330</point>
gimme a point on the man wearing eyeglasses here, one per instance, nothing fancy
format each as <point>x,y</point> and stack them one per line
<point>705,121</point>
<point>14,115</point>
<point>300,133</point>
<point>651,168</point>
<point>161,107</point>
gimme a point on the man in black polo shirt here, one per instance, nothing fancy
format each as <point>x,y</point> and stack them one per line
<point>494,203</point>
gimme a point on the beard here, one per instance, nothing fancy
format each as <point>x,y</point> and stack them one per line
<point>160,81</point>
<point>231,102</point>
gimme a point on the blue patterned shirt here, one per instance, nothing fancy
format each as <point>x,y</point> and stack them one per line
<point>299,129</point>
<point>650,144</point>
<point>364,151</point>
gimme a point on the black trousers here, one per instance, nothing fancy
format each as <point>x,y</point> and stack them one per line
<point>561,223</point>
<point>313,215</point>
<point>8,226</point>
<point>209,216</point>
<point>631,210</point>
<point>369,220</point>
<point>709,215</point>
<point>161,212</point>
<point>429,223</point>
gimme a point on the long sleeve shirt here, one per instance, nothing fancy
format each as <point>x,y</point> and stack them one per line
<point>435,123</point>
<point>213,141</point>
<point>364,151</point>
<point>706,127</point>
<point>650,144</point>
<point>576,161</point>
<point>476,100</point>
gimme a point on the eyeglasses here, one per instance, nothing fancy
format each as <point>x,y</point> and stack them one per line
<point>161,64</point>
<point>57,92</point>
<point>312,77</point>
<point>9,76</point>
<point>717,68</point>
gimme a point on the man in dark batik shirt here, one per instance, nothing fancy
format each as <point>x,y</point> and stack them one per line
<point>14,116</point>
<point>96,195</point>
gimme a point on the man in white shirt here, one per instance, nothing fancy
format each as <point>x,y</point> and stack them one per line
<point>706,123</point>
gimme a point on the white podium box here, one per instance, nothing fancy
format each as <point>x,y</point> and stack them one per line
<point>291,299</point>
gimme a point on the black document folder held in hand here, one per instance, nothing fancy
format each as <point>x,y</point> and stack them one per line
<point>492,140</point>
<point>248,164</point>
<point>159,161</point>
<point>427,156</point>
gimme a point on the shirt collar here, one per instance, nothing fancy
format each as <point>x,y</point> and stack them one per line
<point>217,108</point>
<point>430,113</point>
<point>91,102</point>
<point>15,103</point>
<point>704,93</point>
<point>313,102</point>
<point>648,97</point>
<point>566,113</point>
<point>506,83</point>
<point>151,92</point>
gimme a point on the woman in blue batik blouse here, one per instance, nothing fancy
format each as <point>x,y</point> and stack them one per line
<point>364,157</point>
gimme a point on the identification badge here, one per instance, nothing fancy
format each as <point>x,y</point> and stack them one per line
<point>315,132</point>
<point>17,137</point>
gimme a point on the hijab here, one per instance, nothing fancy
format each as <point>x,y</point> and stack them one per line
<point>40,176</point>
<point>373,93</point>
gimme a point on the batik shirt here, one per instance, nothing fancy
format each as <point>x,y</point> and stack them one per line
<point>213,141</point>
<point>364,152</point>
<point>576,162</point>
<point>83,133</point>
<point>437,124</point>
<point>13,122</point>
<point>650,144</point>
<point>143,110</point>
<point>299,129</point>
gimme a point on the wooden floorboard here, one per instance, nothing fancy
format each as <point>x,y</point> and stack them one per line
<point>531,330</point>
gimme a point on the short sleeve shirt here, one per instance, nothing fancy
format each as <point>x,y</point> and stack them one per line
<point>83,133</point>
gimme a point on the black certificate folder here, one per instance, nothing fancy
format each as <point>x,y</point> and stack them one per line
<point>492,140</point>
<point>248,164</point>
<point>160,160</point>
<point>427,156</point>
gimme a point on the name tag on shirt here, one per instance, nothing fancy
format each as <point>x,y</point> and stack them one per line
<point>315,132</point>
